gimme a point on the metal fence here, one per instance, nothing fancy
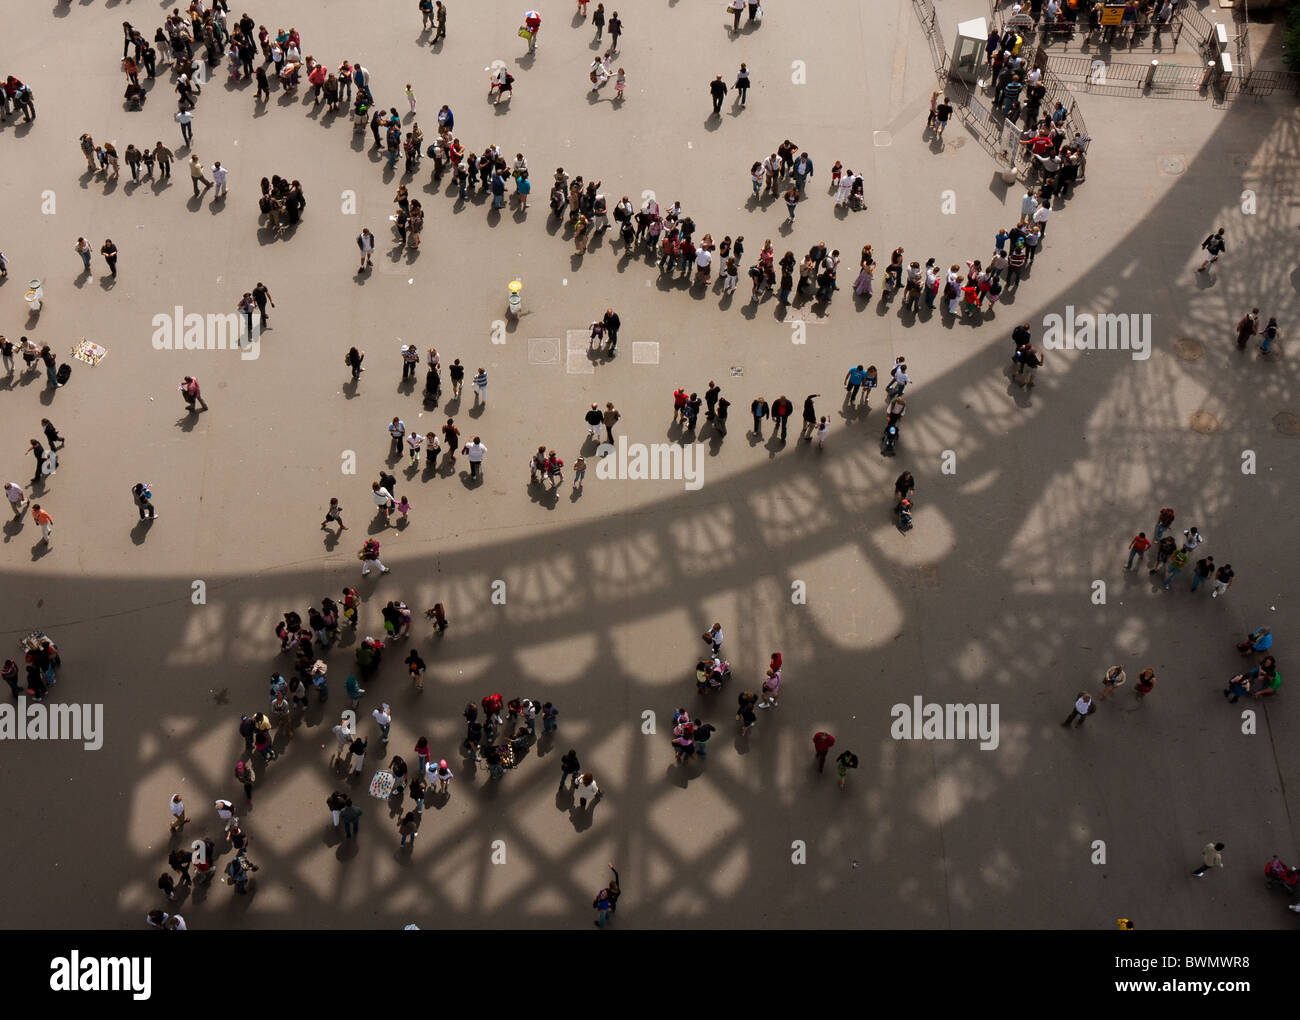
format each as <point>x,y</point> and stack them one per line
<point>930,25</point>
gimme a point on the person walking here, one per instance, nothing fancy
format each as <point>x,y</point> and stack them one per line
<point>1146,683</point>
<point>760,410</point>
<point>479,386</point>
<point>142,493</point>
<point>366,243</point>
<point>741,84</point>
<point>440,774</point>
<point>17,499</point>
<point>1176,563</point>
<point>164,156</point>
<point>718,90</point>
<point>1201,571</point>
<point>357,754</point>
<point>109,250</point>
<point>351,816</point>
<point>409,828</point>
<point>219,177</point>
<point>569,766</point>
<point>190,390</point>
<point>1214,246</point>
<point>475,451</point>
<point>1082,707</point>
<point>781,411</point>
<point>1114,678</point>
<point>46,522</point>
<point>822,743</point>
<point>606,900</point>
<point>609,419</point>
<point>383,718</point>
<point>1211,857</point>
<point>82,248</point>
<point>1137,546</point>
<point>370,554</point>
<point>1247,327</point>
<point>245,776</point>
<point>586,789</point>
<point>440,16</point>
<point>335,803</point>
<point>334,513</point>
<point>745,704</point>
<point>809,418</point>
<point>1222,580</point>
<point>1270,335</point>
<point>533,22</point>
<point>261,295</point>
<point>185,118</point>
<point>847,760</point>
<point>615,28</point>
<point>179,817</point>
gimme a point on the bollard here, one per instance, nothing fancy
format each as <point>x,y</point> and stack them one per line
<point>515,301</point>
<point>35,295</point>
<point>1151,74</point>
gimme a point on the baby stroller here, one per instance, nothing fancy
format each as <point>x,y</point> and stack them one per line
<point>432,386</point>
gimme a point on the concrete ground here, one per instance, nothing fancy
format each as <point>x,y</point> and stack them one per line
<point>988,600</point>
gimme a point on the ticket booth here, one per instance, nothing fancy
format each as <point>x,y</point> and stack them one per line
<point>968,51</point>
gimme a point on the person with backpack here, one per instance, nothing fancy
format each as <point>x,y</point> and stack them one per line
<point>606,901</point>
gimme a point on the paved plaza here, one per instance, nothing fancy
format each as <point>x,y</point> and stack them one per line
<point>1009,591</point>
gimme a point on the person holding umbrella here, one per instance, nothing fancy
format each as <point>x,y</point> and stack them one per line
<point>532,24</point>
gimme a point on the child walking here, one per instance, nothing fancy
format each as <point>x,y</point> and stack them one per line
<point>620,83</point>
<point>410,96</point>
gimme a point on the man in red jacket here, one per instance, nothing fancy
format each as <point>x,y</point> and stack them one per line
<point>822,742</point>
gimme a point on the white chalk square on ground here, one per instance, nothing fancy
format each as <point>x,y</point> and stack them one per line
<point>578,361</point>
<point>882,139</point>
<point>645,352</point>
<point>544,351</point>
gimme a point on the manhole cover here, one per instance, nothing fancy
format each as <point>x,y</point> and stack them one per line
<point>882,139</point>
<point>1287,423</point>
<point>1189,349</point>
<point>1172,164</point>
<point>1204,423</point>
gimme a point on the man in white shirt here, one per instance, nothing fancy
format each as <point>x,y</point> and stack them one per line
<point>1082,706</point>
<point>383,499</point>
<point>1035,76</point>
<point>1028,206</point>
<point>475,451</point>
<point>179,817</point>
<point>219,175</point>
<point>1040,217</point>
<point>1191,539</point>
<point>17,500</point>
<point>383,717</point>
